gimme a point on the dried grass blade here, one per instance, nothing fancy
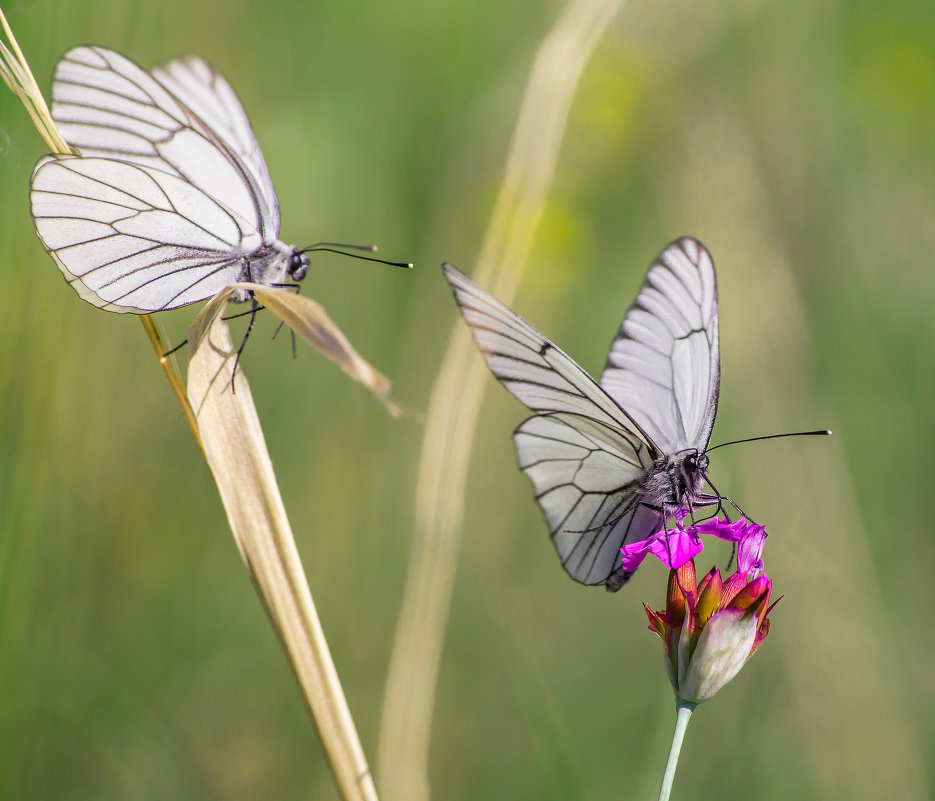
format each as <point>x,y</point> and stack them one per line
<point>311,322</point>
<point>236,452</point>
<point>456,397</point>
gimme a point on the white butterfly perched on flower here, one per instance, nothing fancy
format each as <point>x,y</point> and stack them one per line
<point>170,201</point>
<point>610,461</point>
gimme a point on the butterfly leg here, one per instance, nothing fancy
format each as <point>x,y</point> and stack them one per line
<point>184,342</point>
<point>178,347</point>
<point>298,289</point>
<point>243,314</point>
<point>255,307</point>
<point>708,500</point>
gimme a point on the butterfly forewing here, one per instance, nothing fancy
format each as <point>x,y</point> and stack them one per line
<point>105,105</point>
<point>664,364</point>
<point>198,86</point>
<point>535,370</point>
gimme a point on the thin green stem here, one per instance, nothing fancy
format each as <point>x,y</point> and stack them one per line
<point>683,713</point>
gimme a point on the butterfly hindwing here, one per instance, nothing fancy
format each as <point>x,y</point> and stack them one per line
<point>132,238</point>
<point>586,477</point>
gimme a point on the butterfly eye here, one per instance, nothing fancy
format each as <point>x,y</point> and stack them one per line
<point>298,266</point>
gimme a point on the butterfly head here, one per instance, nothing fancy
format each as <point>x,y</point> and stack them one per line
<point>297,265</point>
<point>695,463</point>
<point>687,472</point>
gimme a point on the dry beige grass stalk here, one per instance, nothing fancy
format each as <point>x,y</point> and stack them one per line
<point>236,453</point>
<point>456,397</point>
<point>228,431</point>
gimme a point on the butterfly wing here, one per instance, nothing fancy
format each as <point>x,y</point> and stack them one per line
<point>107,106</point>
<point>582,453</point>
<point>531,367</point>
<point>586,476</point>
<point>131,238</point>
<point>664,365</point>
<point>208,95</point>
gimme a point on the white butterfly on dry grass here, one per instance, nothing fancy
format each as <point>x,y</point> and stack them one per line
<point>170,201</point>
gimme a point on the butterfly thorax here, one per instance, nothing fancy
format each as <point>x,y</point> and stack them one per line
<point>674,481</point>
<point>271,265</point>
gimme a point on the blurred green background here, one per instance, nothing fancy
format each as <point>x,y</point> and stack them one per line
<point>793,138</point>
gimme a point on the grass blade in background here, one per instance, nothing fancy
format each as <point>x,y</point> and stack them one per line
<point>456,397</point>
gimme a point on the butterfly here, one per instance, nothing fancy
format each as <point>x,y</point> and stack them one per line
<point>610,461</point>
<point>170,201</point>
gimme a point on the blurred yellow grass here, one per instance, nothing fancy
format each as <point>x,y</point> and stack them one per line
<point>456,396</point>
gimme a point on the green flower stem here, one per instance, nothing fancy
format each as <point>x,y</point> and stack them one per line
<point>683,714</point>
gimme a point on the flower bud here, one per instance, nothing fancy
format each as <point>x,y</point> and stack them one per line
<point>711,628</point>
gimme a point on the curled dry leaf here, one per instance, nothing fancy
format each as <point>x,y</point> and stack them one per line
<point>311,322</point>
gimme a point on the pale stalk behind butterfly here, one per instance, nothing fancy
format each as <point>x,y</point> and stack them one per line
<point>610,461</point>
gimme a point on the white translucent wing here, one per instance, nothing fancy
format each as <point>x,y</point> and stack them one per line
<point>586,476</point>
<point>107,106</point>
<point>131,238</point>
<point>208,95</point>
<point>531,367</point>
<point>664,365</point>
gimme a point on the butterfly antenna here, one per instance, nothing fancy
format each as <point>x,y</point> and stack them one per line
<point>822,433</point>
<point>341,249</point>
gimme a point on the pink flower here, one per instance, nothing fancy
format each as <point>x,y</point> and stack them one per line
<point>711,628</point>
<point>674,547</point>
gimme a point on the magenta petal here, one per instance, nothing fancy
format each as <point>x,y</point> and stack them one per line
<point>635,552</point>
<point>675,547</point>
<point>683,545</point>
<point>723,529</point>
<point>750,549</point>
